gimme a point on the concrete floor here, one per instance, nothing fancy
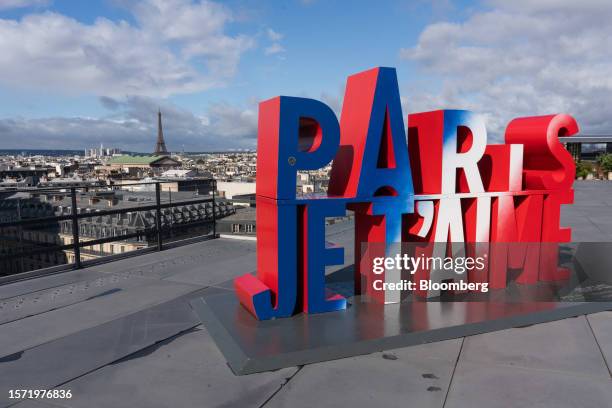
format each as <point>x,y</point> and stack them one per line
<point>559,364</point>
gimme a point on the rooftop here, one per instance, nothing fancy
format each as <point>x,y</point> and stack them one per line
<point>587,139</point>
<point>120,334</point>
<point>178,173</point>
<point>126,159</point>
<point>241,214</point>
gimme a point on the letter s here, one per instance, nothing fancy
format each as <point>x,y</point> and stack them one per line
<point>546,163</point>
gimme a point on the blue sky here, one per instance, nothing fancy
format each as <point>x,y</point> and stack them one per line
<point>77,73</point>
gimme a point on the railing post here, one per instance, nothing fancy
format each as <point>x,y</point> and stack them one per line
<point>20,229</point>
<point>158,215</point>
<point>214,209</point>
<point>75,230</point>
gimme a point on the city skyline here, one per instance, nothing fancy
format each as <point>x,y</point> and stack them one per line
<point>76,75</point>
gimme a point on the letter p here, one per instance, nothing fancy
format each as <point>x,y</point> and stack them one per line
<point>294,134</point>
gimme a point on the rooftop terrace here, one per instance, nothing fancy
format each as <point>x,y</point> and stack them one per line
<point>122,334</point>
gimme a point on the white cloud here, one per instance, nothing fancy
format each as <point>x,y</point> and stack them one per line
<point>232,122</point>
<point>273,35</point>
<point>520,58</point>
<point>275,48</point>
<point>13,4</point>
<point>175,46</point>
<point>132,125</point>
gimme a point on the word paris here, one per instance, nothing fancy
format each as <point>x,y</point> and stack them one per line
<point>439,186</point>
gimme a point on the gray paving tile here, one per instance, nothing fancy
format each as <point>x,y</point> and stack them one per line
<point>565,345</point>
<point>409,377</point>
<point>65,358</point>
<point>54,298</point>
<point>216,270</point>
<point>447,350</point>
<point>600,217</point>
<point>223,259</point>
<point>199,263</point>
<point>187,371</point>
<point>496,386</point>
<point>166,257</point>
<point>44,282</point>
<point>590,199</point>
<point>573,219</point>
<point>586,232</point>
<point>601,323</point>
<point>35,330</point>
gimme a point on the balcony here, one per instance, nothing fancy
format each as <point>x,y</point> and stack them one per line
<point>47,230</point>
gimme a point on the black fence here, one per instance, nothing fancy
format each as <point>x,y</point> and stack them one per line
<point>51,229</point>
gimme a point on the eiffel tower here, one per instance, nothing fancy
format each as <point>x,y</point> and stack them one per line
<point>160,147</point>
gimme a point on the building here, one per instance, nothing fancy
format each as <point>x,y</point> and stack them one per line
<point>197,184</point>
<point>183,220</point>
<point>244,200</point>
<point>229,189</point>
<point>241,224</point>
<point>139,165</point>
<point>32,173</point>
<point>182,173</point>
<point>201,185</point>
<point>67,182</point>
<point>102,152</point>
<point>25,248</point>
<point>584,147</point>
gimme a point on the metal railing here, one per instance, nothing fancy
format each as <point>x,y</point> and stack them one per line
<point>159,231</point>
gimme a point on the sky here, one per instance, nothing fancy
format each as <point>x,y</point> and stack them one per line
<point>74,74</point>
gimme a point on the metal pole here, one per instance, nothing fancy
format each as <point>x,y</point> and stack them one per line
<point>20,229</point>
<point>75,230</point>
<point>214,209</point>
<point>171,213</point>
<point>158,216</point>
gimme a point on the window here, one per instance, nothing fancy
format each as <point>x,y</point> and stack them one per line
<point>249,228</point>
<point>235,228</point>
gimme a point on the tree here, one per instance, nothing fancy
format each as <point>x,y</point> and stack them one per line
<point>605,162</point>
<point>583,169</point>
